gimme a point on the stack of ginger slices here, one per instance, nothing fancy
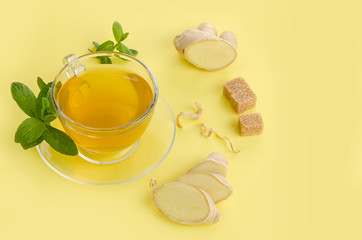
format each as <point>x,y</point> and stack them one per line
<point>191,198</point>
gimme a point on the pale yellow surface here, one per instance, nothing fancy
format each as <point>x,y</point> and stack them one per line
<point>302,179</point>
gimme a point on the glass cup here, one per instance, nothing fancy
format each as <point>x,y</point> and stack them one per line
<point>107,144</point>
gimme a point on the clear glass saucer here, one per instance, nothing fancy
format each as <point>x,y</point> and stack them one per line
<point>152,149</point>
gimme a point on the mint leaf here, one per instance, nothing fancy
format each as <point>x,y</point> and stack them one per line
<point>106,46</point>
<point>123,49</point>
<point>32,144</point>
<point>95,44</point>
<point>60,141</point>
<point>29,130</point>
<point>105,60</point>
<point>133,52</point>
<point>49,118</point>
<point>57,87</point>
<point>124,36</point>
<point>44,93</point>
<point>51,107</point>
<point>45,106</point>
<point>120,57</point>
<point>117,31</point>
<point>24,97</point>
<point>40,83</point>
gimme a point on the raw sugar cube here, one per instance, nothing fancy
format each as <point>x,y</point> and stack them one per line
<point>239,94</point>
<point>251,124</point>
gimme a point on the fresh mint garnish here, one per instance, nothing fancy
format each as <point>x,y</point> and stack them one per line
<point>95,44</point>
<point>56,90</point>
<point>32,144</point>
<point>43,101</point>
<point>25,98</point>
<point>109,45</point>
<point>41,83</point>
<point>32,131</point>
<point>117,31</point>
<point>106,46</point>
<point>49,118</point>
<point>60,141</point>
<point>123,48</point>
<point>29,130</point>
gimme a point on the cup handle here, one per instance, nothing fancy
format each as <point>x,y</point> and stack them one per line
<point>74,65</point>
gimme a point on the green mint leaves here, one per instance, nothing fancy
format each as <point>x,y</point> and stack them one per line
<point>29,130</point>
<point>60,141</point>
<point>25,98</point>
<point>118,32</point>
<point>109,45</point>
<point>32,131</point>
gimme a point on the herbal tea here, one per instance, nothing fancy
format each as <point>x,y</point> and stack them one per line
<point>105,97</point>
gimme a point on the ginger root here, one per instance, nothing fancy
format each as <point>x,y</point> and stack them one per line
<point>204,49</point>
<point>213,184</point>
<point>191,198</point>
<point>186,204</point>
<point>214,163</point>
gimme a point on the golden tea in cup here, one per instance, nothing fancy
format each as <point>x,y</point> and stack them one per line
<point>104,108</point>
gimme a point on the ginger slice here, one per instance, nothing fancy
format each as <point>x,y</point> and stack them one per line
<point>207,133</point>
<point>197,115</point>
<point>214,163</point>
<point>185,204</point>
<point>213,184</point>
<point>204,49</point>
<point>210,54</point>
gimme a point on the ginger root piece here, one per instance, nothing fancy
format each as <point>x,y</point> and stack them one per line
<point>191,199</point>
<point>213,184</point>
<point>196,115</point>
<point>208,27</point>
<point>251,124</point>
<point>214,163</point>
<point>186,204</point>
<point>204,49</point>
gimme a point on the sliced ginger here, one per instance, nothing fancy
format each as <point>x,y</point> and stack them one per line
<point>204,49</point>
<point>215,185</point>
<point>186,204</point>
<point>214,163</point>
<point>191,198</point>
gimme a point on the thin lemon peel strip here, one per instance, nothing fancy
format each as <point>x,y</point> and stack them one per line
<point>207,133</point>
<point>196,116</point>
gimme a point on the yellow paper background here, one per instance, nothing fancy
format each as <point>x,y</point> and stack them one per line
<point>302,179</point>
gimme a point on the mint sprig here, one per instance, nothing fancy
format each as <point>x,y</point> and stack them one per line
<point>32,131</point>
<point>109,45</point>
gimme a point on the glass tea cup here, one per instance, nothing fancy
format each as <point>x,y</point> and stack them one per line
<point>84,121</point>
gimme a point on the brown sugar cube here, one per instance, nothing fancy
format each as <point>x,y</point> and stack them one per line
<point>239,94</point>
<point>234,86</point>
<point>243,101</point>
<point>251,124</point>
